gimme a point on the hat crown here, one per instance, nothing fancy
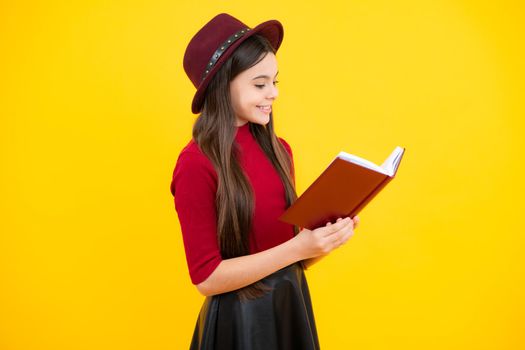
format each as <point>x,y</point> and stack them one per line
<point>206,41</point>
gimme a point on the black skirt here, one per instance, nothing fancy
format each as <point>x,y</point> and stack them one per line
<point>281,319</point>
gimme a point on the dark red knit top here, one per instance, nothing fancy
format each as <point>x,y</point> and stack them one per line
<point>194,186</point>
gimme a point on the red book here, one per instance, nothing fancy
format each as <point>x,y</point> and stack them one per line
<point>346,186</point>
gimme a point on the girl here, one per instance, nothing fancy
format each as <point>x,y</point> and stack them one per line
<point>231,182</point>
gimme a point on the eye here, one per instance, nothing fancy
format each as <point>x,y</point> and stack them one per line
<point>261,86</point>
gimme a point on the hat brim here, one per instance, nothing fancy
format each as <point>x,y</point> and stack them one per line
<point>271,30</point>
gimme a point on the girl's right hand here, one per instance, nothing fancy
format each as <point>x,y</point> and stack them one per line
<point>324,239</point>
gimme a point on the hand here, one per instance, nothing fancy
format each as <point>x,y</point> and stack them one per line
<point>324,239</point>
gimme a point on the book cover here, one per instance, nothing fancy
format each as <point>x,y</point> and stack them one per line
<point>344,188</point>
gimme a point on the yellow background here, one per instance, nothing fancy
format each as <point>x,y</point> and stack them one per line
<point>95,107</point>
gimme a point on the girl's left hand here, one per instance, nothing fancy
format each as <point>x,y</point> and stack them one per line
<point>355,220</point>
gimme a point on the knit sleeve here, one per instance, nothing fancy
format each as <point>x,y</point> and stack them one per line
<point>289,150</point>
<point>194,186</point>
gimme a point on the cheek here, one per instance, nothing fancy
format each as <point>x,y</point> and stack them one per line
<point>248,101</point>
<point>244,98</point>
<point>253,99</point>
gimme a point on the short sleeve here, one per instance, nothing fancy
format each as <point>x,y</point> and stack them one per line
<point>194,186</point>
<point>289,150</point>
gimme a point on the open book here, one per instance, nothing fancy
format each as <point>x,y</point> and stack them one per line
<point>344,188</point>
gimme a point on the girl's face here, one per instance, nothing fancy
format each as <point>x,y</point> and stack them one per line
<point>253,92</point>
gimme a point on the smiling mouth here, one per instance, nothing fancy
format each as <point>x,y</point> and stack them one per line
<point>265,108</point>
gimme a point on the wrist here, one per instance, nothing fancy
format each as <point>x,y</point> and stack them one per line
<point>296,250</point>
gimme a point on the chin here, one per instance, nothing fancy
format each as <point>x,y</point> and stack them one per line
<point>262,122</point>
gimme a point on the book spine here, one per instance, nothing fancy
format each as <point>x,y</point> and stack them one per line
<point>372,194</point>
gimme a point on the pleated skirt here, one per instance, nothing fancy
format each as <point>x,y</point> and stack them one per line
<point>281,319</point>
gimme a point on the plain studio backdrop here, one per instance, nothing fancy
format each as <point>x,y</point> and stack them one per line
<point>95,108</point>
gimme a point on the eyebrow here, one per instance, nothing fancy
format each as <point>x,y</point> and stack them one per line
<point>264,76</point>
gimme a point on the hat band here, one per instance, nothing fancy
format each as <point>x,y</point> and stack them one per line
<point>217,54</point>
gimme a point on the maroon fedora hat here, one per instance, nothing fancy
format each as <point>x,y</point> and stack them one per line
<point>211,46</point>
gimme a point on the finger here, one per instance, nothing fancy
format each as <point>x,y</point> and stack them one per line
<point>340,237</point>
<point>348,230</point>
<point>339,219</point>
<point>329,223</point>
<point>339,224</point>
<point>346,236</point>
<point>356,221</point>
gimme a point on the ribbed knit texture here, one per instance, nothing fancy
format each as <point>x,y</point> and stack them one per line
<point>194,186</point>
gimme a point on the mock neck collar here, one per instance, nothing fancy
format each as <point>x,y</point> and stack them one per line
<point>243,132</point>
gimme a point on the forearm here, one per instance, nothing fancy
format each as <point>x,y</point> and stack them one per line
<point>235,273</point>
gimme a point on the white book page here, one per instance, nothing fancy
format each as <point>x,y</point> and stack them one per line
<point>388,167</point>
<point>392,162</point>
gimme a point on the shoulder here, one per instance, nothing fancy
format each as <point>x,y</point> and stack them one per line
<point>193,167</point>
<point>192,156</point>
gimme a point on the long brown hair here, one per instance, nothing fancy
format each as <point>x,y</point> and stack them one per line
<point>214,131</point>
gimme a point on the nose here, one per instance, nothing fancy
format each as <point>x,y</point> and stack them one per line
<point>274,92</point>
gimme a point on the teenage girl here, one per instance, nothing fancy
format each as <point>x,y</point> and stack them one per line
<point>231,182</point>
